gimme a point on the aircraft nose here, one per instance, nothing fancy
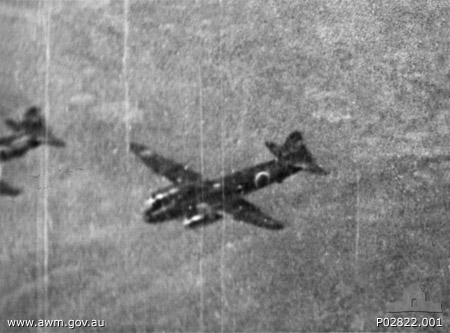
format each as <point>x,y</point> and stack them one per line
<point>146,214</point>
<point>148,211</point>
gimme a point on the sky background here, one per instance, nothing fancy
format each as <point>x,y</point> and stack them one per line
<point>206,83</point>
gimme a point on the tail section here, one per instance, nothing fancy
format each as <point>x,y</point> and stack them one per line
<point>32,122</point>
<point>33,125</point>
<point>294,152</point>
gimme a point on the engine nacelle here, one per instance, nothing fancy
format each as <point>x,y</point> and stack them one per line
<point>200,214</point>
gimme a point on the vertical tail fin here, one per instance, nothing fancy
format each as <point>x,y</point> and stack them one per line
<point>294,141</point>
<point>295,152</point>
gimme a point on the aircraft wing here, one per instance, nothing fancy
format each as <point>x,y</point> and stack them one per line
<point>6,189</point>
<point>244,211</point>
<point>173,171</point>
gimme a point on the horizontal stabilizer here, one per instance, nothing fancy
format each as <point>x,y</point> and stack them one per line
<point>13,125</point>
<point>51,140</point>
<point>295,152</point>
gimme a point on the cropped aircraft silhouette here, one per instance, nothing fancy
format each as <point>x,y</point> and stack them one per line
<point>203,201</point>
<point>28,133</point>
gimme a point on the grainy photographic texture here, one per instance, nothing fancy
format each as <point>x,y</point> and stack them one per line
<point>205,84</point>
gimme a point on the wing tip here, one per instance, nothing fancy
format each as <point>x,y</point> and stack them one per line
<point>8,190</point>
<point>276,226</point>
<point>138,148</point>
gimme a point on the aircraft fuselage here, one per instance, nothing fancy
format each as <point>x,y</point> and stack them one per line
<point>185,199</point>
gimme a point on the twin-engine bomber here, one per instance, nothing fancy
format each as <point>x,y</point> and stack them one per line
<point>202,201</point>
<point>28,133</point>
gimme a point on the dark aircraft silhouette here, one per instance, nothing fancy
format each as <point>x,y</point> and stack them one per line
<point>28,133</point>
<point>202,201</point>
